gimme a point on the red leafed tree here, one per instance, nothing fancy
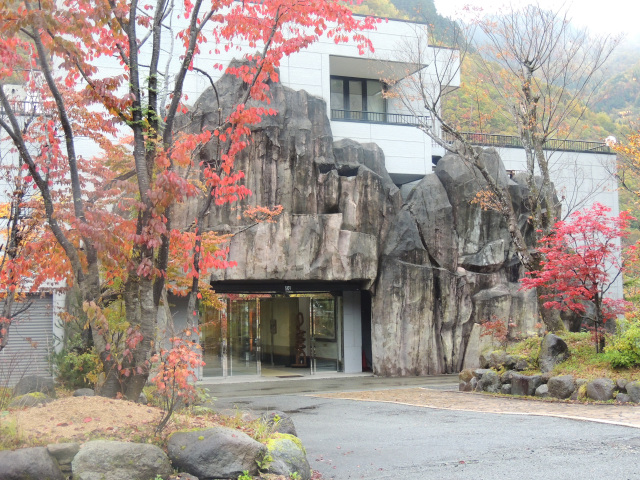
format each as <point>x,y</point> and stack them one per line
<point>582,259</point>
<point>100,71</point>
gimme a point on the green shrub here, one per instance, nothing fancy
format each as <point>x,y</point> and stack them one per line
<point>76,368</point>
<point>624,350</point>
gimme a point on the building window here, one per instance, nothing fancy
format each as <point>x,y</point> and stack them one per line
<point>357,99</point>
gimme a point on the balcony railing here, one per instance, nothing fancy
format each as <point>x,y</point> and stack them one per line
<point>23,107</point>
<point>378,117</point>
<point>511,141</point>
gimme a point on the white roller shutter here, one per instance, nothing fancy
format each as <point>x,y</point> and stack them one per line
<point>30,342</point>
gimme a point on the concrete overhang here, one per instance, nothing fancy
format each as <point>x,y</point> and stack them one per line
<point>372,68</point>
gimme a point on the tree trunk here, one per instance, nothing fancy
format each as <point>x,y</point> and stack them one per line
<point>549,316</point>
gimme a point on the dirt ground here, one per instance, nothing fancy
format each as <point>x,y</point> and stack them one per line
<point>628,415</point>
<point>78,418</point>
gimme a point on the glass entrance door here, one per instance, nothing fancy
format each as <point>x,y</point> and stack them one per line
<point>231,339</point>
<point>243,353</point>
<point>325,333</point>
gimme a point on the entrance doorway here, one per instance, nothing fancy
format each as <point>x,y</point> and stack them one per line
<point>274,335</point>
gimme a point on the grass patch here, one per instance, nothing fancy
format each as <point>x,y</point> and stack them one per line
<point>584,362</point>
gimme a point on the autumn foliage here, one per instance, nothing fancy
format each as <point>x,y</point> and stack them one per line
<point>174,379</point>
<point>582,258</point>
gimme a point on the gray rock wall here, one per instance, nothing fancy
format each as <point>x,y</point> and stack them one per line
<point>436,264</point>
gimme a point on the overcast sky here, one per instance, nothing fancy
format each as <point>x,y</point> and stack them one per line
<point>608,16</point>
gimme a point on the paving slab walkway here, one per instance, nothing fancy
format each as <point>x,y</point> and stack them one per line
<point>626,415</point>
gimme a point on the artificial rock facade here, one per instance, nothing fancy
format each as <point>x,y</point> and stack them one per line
<point>436,264</point>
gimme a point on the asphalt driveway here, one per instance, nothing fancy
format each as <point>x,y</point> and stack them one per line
<point>352,439</point>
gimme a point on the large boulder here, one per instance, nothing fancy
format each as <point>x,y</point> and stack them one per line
<point>217,452</point>
<point>600,389</point>
<point>561,386</point>
<point>35,384</point>
<point>542,391</point>
<point>29,464</point>
<point>497,359</point>
<point>525,384</point>
<point>111,460</point>
<point>490,382</point>
<point>633,390</point>
<point>286,456</point>
<point>553,351</point>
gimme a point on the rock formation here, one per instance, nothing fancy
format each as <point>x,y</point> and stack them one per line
<point>436,264</point>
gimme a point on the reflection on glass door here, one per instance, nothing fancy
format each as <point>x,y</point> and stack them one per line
<point>326,351</point>
<point>243,356</point>
<point>231,339</point>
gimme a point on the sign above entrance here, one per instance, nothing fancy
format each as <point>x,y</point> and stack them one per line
<point>285,287</point>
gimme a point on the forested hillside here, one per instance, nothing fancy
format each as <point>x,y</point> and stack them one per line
<point>620,95</point>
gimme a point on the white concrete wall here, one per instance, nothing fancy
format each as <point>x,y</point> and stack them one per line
<point>352,339</point>
<point>407,150</point>
<point>581,179</point>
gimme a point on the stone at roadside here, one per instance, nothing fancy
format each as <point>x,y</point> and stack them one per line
<point>521,364</point>
<point>217,452</point>
<point>473,383</point>
<point>553,351</point>
<point>497,359</point>
<point>64,454</point>
<point>525,384</point>
<point>505,389</point>
<point>546,376</point>
<point>490,382</point>
<point>142,399</point>
<point>561,386</point>
<point>542,391</point>
<point>465,375</point>
<point>34,383</point>
<point>287,456</point>
<point>465,387</point>
<point>30,400</point>
<point>633,390</point>
<point>111,460</point>
<point>479,372</point>
<point>623,398</point>
<point>279,422</point>
<point>506,376</point>
<point>29,463</point>
<point>484,360</point>
<point>84,392</point>
<point>600,389</point>
<point>621,385</point>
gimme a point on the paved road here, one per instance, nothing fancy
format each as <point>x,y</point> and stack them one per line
<point>347,439</point>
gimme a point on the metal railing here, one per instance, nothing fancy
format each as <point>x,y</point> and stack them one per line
<point>378,117</point>
<point>24,107</point>
<point>511,141</point>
